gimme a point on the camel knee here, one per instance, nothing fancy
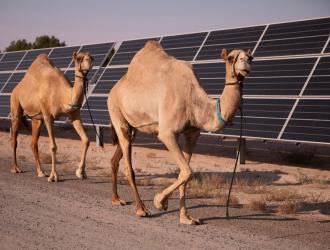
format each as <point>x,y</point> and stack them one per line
<point>53,148</point>
<point>186,175</point>
<point>86,142</point>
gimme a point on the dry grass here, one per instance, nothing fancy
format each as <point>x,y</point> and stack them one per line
<point>288,207</point>
<point>250,186</point>
<point>281,195</point>
<point>257,205</point>
<point>232,201</point>
<point>315,198</point>
<point>205,185</point>
<point>304,179</point>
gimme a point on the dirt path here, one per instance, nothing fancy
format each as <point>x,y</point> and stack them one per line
<point>75,214</point>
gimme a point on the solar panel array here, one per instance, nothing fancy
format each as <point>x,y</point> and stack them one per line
<point>13,66</point>
<point>286,97</point>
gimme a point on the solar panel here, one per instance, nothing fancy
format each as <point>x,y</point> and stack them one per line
<point>70,74</point>
<point>211,76</point>
<point>310,121</point>
<point>3,79</point>
<point>1,56</point>
<point>4,106</point>
<point>98,51</point>
<point>296,38</point>
<point>183,47</point>
<point>263,118</point>
<point>62,56</point>
<point>99,110</point>
<point>319,84</point>
<point>10,60</point>
<point>244,38</point>
<point>30,56</point>
<point>291,68</point>
<point>12,82</point>
<point>109,79</point>
<point>127,50</point>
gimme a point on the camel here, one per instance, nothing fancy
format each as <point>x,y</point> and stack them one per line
<point>44,94</point>
<point>161,95</point>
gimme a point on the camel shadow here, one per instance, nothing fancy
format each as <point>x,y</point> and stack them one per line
<point>322,207</point>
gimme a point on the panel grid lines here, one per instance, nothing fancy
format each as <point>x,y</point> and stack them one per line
<point>302,91</point>
<point>286,96</point>
<point>3,87</point>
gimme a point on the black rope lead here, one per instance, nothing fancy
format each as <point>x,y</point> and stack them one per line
<point>89,111</point>
<point>237,155</point>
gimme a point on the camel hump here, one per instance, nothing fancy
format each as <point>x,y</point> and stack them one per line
<point>153,45</point>
<point>43,59</point>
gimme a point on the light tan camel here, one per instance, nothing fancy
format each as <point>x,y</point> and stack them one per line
<point>161,95</point>
<point>44,94</point>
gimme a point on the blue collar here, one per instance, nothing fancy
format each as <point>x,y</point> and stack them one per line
<point>221,120</point>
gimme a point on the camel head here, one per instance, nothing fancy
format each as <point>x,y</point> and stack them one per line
<point>83,62</point>
<point>237,63</point>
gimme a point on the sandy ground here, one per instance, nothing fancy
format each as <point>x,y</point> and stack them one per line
<point>78,214</point>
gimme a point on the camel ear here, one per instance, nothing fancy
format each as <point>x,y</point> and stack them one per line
<point>224,54</point>
<point>249,52</point>
<point>74,55</point>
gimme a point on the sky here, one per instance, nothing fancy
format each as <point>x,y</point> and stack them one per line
<point>83,22</point>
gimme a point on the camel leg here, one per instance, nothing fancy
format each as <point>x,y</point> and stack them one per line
<point>16,112</point>
<point>191,138</point>
<point>49,122</point>
<point>115,165</point>
<point>36,124</point>
<point>161,199</point>
<point>80,172</point>
<point>125,137</point>
<point>15,123</point>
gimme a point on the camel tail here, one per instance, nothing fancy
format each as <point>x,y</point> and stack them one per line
<point>114,136</point>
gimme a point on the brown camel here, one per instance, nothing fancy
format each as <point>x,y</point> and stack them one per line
<point>44,94</point>
<point>161,95</point>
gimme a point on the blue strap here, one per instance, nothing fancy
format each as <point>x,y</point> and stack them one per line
<point>219,116</point>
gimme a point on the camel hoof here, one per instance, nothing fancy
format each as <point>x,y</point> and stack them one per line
<point>118,202</point>
<point>41,174</point>
<point>52,178</point>
<point>142,213</point>
<point>14,169</point>
<point>188,220</point>
<point>81,174</point>
<point>160,203</point>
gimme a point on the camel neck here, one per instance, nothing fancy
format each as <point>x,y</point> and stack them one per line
<point>78,89</point>
<point>204,111</point>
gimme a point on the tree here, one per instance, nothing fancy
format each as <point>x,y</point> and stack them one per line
<point>21,44</point>
<point>40,42</point>
<point>47,42</point>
